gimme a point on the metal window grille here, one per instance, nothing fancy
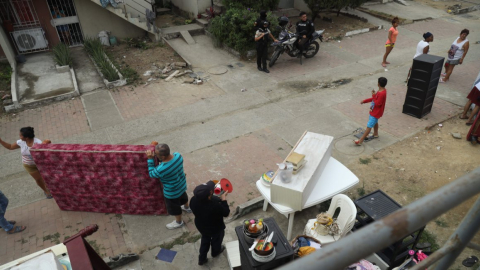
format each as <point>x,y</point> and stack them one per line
<point>65,19</point>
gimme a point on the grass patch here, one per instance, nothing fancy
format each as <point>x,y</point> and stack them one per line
<point>232,203</point>
<point>429,238</point>
<point>95,49</point>
<point>5,76</point>
<point>361,190</point>
<point>61,55</point>
<point>365,160</point>
<point>96,247</point>
<point>54,238</point>
<point>441,223</point>
<point>181,240</point>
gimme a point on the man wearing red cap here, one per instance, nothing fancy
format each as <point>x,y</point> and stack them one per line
<point>209,212</point>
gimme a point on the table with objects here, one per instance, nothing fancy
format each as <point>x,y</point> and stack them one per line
<point>335,179</point>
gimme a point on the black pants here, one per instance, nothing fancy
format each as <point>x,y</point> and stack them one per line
<point>262,53</point>
<point>302,43</point>
<point>214,240</point>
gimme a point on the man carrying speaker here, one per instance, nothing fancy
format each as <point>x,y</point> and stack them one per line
<point>209,212</point>
<point>377,106</point>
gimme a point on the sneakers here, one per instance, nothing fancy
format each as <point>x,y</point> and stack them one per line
<point>174,225</point>
<point>188,210</point>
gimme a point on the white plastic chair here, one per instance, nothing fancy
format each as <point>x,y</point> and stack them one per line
<point>345,220</point>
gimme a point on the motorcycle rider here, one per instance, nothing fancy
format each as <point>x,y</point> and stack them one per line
<point>306,27</point>
<point>261,38</point>
<point>258,22</point>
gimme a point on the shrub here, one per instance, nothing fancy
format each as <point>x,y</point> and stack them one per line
<point>95,49</point>
<point>253,4</point>
<point>235,28</point>
<point>61,55</point>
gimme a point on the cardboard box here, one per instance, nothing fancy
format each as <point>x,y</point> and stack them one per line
<point>317,149</point>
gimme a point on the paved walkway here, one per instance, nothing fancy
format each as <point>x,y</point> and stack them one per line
<point>224,132</point>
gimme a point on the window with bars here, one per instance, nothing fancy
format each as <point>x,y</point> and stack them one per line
<point>19,13</point>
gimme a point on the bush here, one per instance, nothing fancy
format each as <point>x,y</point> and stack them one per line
<point>95,49</point>
<point>61,55</point>
<point>253,4</point>
<point>235,28</point>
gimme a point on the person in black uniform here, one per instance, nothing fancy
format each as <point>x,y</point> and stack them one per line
<point>258,22</point>
<point>209,212</point>
<point>261,38</point>
<point>305,27</point>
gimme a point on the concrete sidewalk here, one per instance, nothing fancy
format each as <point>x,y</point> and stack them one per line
<point>224,132</point>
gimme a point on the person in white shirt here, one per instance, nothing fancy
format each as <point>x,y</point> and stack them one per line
<point>27,140</point>
<point>423,47</point>
<point>457,52</point>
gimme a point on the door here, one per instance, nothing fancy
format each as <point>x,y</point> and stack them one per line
<point>286,4</point>
<point>65,21</point>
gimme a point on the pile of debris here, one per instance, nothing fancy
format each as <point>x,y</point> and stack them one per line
<point>170,71</point>
<point>6,99</point>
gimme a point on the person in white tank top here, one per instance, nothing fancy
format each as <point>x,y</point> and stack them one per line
<point>423,47</point>
<point>457,52</point>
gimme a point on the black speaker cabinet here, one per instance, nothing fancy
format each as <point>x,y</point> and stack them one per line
<point>422,85</point>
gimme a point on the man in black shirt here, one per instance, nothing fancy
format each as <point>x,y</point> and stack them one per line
<point>209,212</point>
<point>306,28</point>
<point>259,21</point>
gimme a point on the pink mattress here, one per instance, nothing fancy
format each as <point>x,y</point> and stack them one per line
<point>100,178</point>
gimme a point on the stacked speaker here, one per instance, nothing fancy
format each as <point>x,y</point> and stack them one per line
<point>422,86</point>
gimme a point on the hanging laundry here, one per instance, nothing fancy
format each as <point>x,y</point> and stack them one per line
<point>106,2</point>
<point>151,20</point>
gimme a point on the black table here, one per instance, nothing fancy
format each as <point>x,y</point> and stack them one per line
<point>283,248</point>
<point>375,206</point>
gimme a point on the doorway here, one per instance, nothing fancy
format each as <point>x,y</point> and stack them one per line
<point>65,21</point>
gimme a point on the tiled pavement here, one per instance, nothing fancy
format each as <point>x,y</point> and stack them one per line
<point>47,226</point>
<point>54,122</point>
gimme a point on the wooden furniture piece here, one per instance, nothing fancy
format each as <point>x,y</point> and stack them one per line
<point>317,149</point>
<point>375,206</point>
<point>422,85</point>
<point>335,179</point>
<point>283,249</point>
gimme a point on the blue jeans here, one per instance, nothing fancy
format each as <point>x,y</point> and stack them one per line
<point>3,207</point>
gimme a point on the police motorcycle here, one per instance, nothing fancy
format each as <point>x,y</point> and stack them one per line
<point>287,42</point>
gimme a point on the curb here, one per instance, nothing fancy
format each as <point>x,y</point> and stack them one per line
<point>364,30</point>
<point>246,208</point>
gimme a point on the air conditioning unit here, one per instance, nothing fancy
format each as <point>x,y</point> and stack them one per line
<point>30,39</point>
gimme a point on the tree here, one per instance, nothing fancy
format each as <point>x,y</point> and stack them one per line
<point>317,5</point>
<point>253,4</point>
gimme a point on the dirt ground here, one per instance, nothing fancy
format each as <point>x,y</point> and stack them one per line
<point>142,60</point>
<point>335,27</point>
<point>444,4</point>
<point>414,167</point>
<point>169,20</point>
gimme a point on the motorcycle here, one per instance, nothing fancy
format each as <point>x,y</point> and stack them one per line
<point>287,43</point>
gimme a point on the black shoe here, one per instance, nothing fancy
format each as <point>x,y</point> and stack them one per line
<point>222,249</point>
<point>266,70</point>
<point>259,68</point>
<point>203,262</point>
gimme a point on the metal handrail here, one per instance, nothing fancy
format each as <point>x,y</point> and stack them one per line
<point>407,220</point>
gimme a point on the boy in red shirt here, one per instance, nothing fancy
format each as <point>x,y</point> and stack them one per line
<point>376,109</point>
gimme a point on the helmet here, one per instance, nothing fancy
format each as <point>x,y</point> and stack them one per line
<point>282,21</point>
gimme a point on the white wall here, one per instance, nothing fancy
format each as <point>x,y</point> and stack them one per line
<point>202,5</point>
<point>189,6</point>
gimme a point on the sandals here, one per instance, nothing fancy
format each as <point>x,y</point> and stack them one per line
<point>357,143</point>
<point>17,229</point>
<point>372,137</point>
<point>470,261</point>
<point>384,65</point>
<point>48,196</point>
<point>468,124</point>
<point>13,222</point>
<point>463,117</point>
<point>442,81</point>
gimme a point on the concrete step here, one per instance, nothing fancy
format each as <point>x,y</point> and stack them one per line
<point>204,15</point>
<point>402,2</point>
<point>202,22</point>
<point>188,38</point>
<point>161,11</point>
<point>174,32</point>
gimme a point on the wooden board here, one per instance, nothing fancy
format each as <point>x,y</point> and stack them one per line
<point>233,255</point>
<point>317,149</point>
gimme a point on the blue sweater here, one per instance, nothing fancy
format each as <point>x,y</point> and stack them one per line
<point>171,175</point>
